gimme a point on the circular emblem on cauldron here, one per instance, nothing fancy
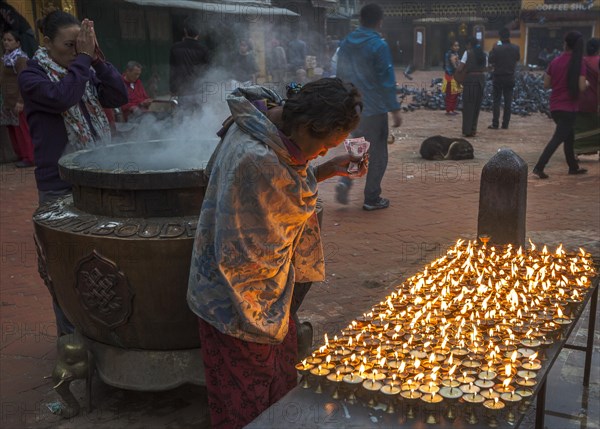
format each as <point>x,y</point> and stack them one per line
<point>103,290</point>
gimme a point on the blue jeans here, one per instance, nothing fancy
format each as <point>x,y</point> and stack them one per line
<point>375,130</point>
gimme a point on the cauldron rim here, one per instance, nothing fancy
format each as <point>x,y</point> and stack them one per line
<point>70,170</point>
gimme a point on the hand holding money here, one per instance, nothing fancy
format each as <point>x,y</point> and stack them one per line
<point>357,148</point>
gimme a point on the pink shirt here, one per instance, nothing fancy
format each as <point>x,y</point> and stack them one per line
<point>560,99</point>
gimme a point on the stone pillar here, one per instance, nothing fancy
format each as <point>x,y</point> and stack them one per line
<point>503,199</point>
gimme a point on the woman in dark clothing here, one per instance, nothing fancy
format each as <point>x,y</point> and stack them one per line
<point>566,76</point>
<point>475,62</point>
<point>64,89</point>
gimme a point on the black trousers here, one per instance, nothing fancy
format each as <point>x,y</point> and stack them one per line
<point>472,97</point>
<point>564,133</point>
<point>502,86</point>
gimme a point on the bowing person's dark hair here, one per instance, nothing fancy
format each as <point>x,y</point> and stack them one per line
<point>327,105</point>
<point>574,42</point>
<point>54,21</point>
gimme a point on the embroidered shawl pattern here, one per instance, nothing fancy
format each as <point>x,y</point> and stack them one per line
<point>258,233</point>
<point>79,133</point>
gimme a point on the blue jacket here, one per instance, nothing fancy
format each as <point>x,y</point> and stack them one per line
<point>365,60</point>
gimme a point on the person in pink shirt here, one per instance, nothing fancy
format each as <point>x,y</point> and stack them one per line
<point>566,76</point>
<point>138,98</point>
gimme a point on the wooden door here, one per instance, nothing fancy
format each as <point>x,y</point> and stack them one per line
<point>479,33</point>
<point>419,48</point>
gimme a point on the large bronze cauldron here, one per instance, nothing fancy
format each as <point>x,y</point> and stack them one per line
<point>117,253</point>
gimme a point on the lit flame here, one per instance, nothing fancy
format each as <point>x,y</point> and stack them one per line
<point>532,245</point>
<point>477,299</point>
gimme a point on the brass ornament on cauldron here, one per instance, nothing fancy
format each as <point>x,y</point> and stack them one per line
<point>118,250</point>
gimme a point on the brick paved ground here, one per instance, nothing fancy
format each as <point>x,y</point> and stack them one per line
<point>368,253</point>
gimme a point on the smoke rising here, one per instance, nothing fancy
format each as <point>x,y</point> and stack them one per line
<point>191,130</point>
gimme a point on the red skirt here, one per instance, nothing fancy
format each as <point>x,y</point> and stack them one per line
<point>242,378</point>
<point>21,140</point>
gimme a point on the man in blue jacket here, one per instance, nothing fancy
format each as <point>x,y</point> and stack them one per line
<point>364,59</point>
